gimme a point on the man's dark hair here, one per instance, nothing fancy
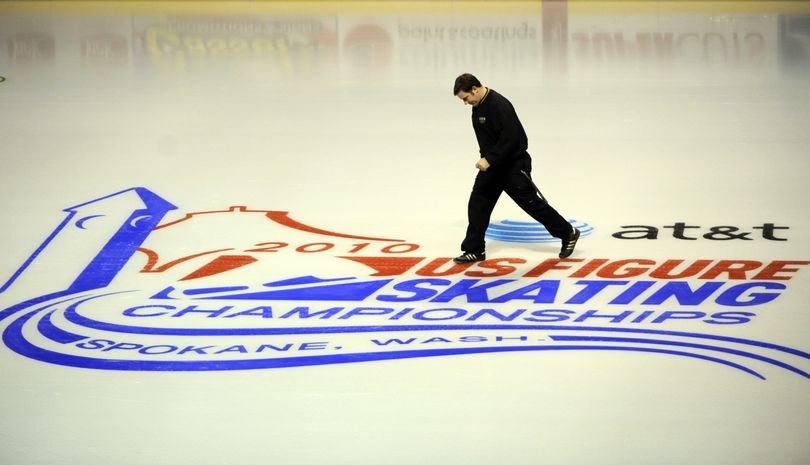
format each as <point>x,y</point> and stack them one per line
<point>465,83</point>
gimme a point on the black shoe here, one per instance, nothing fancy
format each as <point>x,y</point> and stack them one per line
<point>469,257</point>
<point>569,244</point>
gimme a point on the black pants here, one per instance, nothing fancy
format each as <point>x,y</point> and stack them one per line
<point>486,191</point>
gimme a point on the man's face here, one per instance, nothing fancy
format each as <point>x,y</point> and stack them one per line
<point>473,97</point>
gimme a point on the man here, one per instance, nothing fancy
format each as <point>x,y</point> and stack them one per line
<point>504,166</point>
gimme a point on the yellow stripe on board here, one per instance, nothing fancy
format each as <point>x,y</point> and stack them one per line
<point>688,6</point>
<point>454,7</point>
<point>269,6</point>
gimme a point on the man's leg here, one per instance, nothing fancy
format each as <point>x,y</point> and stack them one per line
<point>520,188</point>
<point>484,196</point>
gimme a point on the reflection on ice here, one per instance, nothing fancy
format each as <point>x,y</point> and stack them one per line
<point>515,41</point>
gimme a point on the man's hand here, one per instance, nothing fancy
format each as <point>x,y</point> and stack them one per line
<point>482,164</point>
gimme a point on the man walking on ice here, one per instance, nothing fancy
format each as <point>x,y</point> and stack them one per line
<point>504,166</point>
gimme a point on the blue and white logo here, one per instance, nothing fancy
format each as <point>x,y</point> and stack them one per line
<point>529,231</point>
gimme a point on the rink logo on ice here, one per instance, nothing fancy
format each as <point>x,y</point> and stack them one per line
<point>529,231</point>
<point>115,286</point>
<point>691,232</point>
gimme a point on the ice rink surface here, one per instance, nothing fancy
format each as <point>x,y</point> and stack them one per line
<point>228,227</point>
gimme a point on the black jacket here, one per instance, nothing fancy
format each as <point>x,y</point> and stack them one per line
<point>500,135</point>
